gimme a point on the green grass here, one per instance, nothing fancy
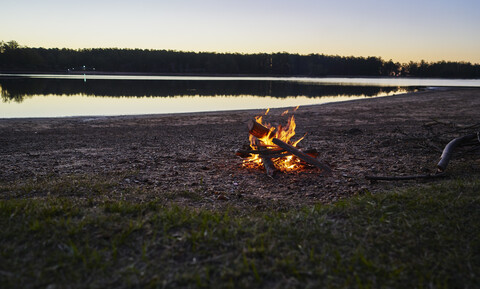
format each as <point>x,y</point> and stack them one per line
<point>422,237</point>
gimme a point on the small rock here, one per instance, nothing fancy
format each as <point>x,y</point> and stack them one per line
<point>354,131</point>
<point>223,198</point>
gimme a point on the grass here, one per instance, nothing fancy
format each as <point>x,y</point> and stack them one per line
<point>422,237</point>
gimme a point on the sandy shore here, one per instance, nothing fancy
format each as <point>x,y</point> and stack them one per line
<point>188,155</point>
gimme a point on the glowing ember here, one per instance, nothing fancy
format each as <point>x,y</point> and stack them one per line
<point>284,133</point>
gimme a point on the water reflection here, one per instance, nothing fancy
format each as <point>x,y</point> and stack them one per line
<point>17,89</point>
<point>55,97</point>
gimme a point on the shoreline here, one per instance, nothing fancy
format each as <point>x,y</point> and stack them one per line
<point>106,73</point>
<point>165,156</point>
<point>426,89</point>
<point>321,101</point>
<point>240,76</point>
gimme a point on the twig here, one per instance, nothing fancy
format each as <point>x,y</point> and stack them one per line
<point>404,178</point>
<point>477,147</point>
<point>471,126</point>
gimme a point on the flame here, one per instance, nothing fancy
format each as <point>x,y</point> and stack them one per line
<point>284,133</point>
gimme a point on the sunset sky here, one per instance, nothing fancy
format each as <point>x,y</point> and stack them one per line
<point>398,30</point>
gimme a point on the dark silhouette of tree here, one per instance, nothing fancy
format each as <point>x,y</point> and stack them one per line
<point>14,58</point>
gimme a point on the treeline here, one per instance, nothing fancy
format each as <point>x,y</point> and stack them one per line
<point>14,57</point>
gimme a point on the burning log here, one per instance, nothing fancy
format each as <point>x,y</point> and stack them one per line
<point>267,162</point>
<point>258,130</point>
<point>264,152</point>
<point>269,166</point>
<point>273,153</point>
<point>267,145</point>
<point>303,156</point>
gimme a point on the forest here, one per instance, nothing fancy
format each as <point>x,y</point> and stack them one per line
<point>17,58</point>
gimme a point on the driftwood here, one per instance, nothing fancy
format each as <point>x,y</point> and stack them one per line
<point>301,155</point>
<point>441,166</point>
<point>448,150</point>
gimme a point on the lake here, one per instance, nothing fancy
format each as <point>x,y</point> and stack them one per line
<point>44,95</point>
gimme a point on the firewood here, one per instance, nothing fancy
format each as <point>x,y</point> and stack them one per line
<point>257,129</point>
<point>311,152</point>
<point>272,154</point>
<point>267,162</point>
<point>303,156</point>
<point>270,168</point>
<point>263,152</point>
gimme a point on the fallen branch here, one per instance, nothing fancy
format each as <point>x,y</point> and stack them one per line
<point>442,164</point>
<point>449,148</point>
<point>404,178</point>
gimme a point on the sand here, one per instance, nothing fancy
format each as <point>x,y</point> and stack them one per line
<point>190,159</point>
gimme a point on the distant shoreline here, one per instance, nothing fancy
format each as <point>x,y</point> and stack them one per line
<point>187,74</point>
<point>117,60</point>
<point>106,73</point>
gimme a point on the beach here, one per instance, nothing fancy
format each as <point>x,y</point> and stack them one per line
<point>189,159</point>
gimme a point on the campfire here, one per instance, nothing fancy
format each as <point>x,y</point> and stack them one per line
<point>273,147</point>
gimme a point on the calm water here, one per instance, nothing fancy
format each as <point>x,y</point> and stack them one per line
<point>101,95</point>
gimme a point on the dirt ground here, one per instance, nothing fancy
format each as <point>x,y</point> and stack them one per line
<point>192,156</point>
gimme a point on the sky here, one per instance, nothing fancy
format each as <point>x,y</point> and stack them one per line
<point>407,30</point>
